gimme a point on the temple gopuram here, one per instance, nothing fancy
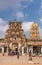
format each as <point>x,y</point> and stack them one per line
<point>16,41</point>
<point>35,42</point>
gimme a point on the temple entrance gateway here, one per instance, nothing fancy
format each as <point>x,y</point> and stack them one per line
<point>15,47</point>
<point>16,50</point>
<point>36,50</point>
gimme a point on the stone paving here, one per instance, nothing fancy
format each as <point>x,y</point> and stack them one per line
<point>22,60</point>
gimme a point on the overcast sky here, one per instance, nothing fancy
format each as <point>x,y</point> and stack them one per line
<point>27,11</point>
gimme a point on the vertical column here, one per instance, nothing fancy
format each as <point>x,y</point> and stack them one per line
<point>19,45</point>
<point>3,51</point>
<point>7,50</point>
<point>27,50</point>
<point>23,50</point>
<point>31,48</point>
<point>41,49</point>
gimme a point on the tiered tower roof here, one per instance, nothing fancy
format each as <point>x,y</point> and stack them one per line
<point>34,31</point>
<point>15,31</point>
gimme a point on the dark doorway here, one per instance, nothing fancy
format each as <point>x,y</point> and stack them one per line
<point>36,50</point>
<point>5,49</point>
<point>25,49</point>
<point>16,51</point>
<point>0,50</point>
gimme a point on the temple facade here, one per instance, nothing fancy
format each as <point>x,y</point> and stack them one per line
<point>35,35</point>
<point>15,40</point>
<point>15,37</point>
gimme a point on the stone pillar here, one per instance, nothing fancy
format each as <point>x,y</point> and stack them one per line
<point>23,51</point>
<point>10,45</point>
<point>41,49</point>
<point>3,51</point>
<point>31,48</point>
<point>19,45</point>
<point>27,50</point>
<point>7,50</point>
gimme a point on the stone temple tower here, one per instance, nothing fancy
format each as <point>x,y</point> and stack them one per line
<point>34,31</point>
<point>15,36</point>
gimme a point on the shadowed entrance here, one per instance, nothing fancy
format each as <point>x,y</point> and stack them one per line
<point>36,50</point>
<point>15,48</point>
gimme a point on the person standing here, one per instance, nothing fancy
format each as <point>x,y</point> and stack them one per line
<point>17,55</point>
<point>30,56</point>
